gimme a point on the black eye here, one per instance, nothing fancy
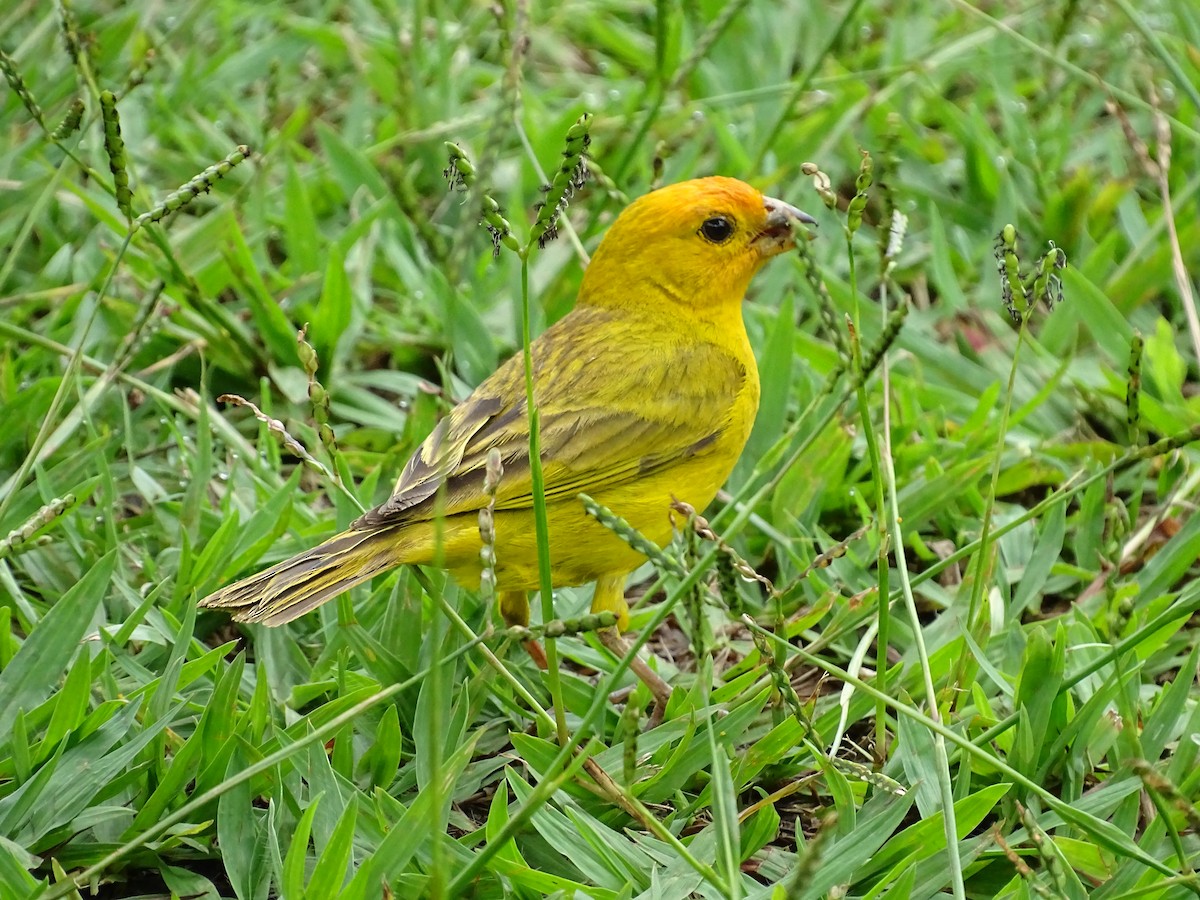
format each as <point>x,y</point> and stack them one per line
<point>718,229</point>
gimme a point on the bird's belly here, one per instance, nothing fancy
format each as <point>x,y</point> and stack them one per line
<point>581,548</point>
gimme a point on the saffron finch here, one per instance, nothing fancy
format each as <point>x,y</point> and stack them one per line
<point>647,391</point>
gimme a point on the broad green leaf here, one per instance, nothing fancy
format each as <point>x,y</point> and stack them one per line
<point>382,759</point>
<point>1162,725</point>
<point>271,324</point>
<point>1038,697</point>
<point>34,672</point>
<point>83,772</point>
<point>565,838</point>
<point>1045,554</point>
<point>543,884</point>
<point>71,703</point>
<point>332,315</point>
<point>775,368</point>
<point>300,233</point>
<point>184,883</point>
<point>723,800</point>
<point>916,755</point>
<point>496,820</point>
<point>15,863</point>
<point>845,802</point>
<point>330,872</point>
<point>759,830</point>
<point>183,768</point>
<point>218,725</point>
<point>292,877</point>
<point>408,834</point>
<point>237,832</point>
<point>927,837</point>
<point>843,862</point>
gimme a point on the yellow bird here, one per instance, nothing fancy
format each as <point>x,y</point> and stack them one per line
<point>647,391</point>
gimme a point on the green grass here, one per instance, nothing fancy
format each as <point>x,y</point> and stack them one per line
<point>1024,499</point>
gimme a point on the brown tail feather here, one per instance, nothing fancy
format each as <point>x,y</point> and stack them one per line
<point>291,588</point>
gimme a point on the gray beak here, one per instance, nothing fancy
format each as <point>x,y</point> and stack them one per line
<point>777,237</point>
<point>780,215</point>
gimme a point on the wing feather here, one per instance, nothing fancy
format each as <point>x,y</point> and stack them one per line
<point>590,438</point>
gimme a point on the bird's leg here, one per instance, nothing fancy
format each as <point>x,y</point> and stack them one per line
<point>514,609</point>
<point>610,597</point>
<point>612,639</point>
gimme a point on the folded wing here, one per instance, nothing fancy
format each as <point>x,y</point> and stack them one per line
<point>590,439</point>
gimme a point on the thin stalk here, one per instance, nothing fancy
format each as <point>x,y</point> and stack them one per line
<point>567,767</point>
<point>785,453</point>
<point>990,500</point>
<point>941,758</point>
<point>495,662</point>
<point>1157,888</point>
<point>1185,605</point>
<point>605,786</point>
<point>217,423</point>
<point>1065,811</point>
<point>436,749</point>
<point>541,523</point>
<point>585,728</point>
<point>801,84</point>
<point>881,512</point>
<point>882,568</point>
<point>42,445</point>
<point>661,85</point>
<point>892,512</point>
<point>659,88</point>
<point>1147,241</point>
<point>46,443</point>
<point>1061,495</point>
<point>631,149</point>
<point>1165,813</point>
<point>724,819</point>
<point>80,880</point>
<point>774,465</point>
<point>847,693</point>
<point>1179,78</point>
<point>13,251</point>
<point>888,511</point>
<point>1087,76</point>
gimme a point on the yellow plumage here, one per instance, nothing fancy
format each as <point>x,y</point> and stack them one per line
<point>647,391</point>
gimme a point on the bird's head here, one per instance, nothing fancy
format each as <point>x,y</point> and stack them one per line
<point>696,243</point>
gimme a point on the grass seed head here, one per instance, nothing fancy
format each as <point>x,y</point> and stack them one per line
<point>1009,267</point>
<point>571,176</point>
<point>497,226</point>
<point>70,30</point>
<point>70,123</point>
<point>1046,284</point>
<point>200,184</point>
<point>858,203</point>
<point>25,536</point>
<point>16,81</point>
<point>822,184</point>
<point>459,172</point>
<point>114,146</point>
